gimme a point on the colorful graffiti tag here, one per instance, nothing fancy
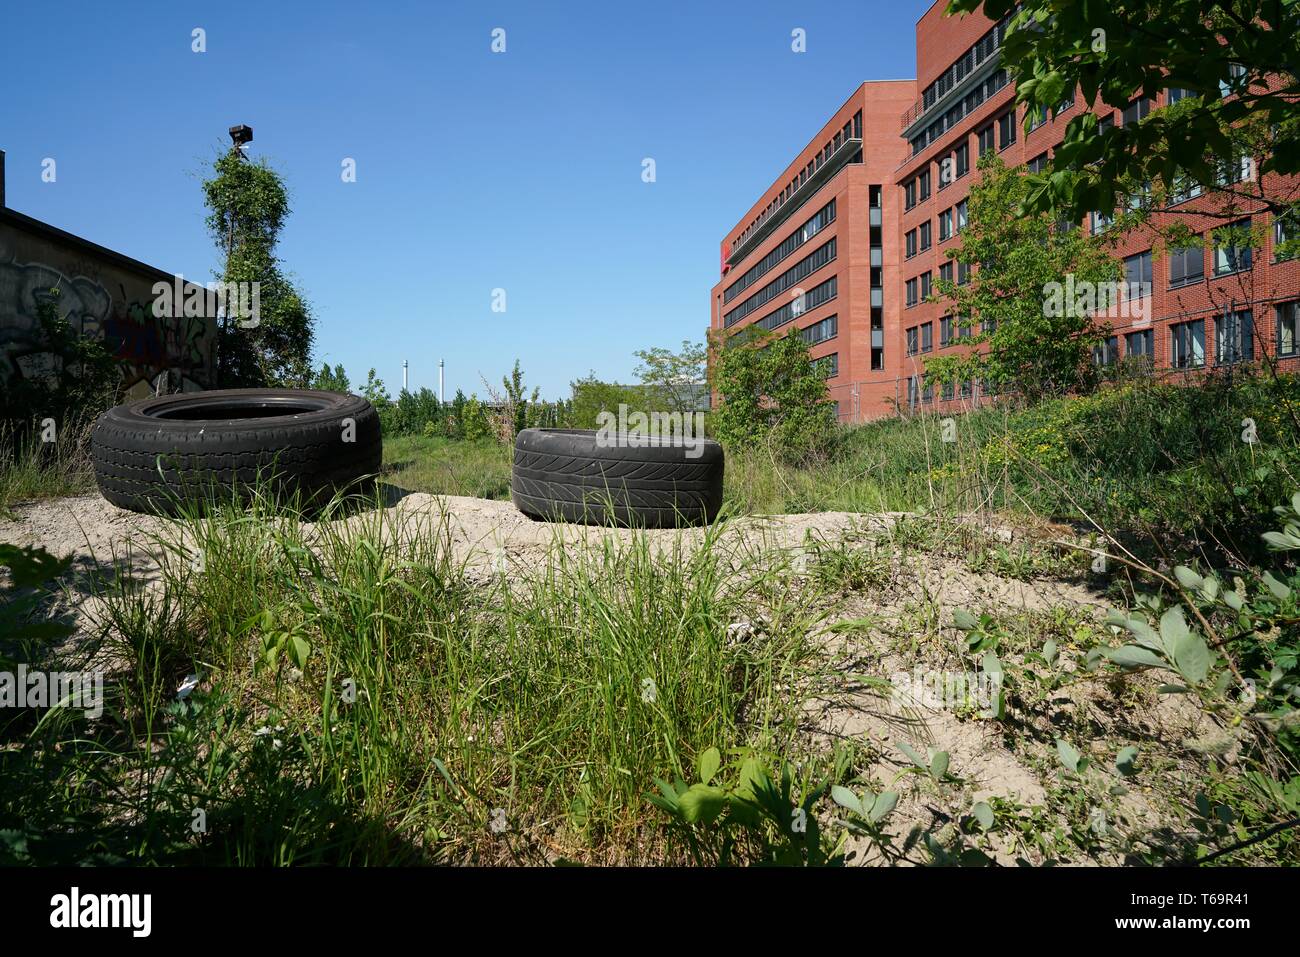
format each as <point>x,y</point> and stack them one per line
<point>145,345</point>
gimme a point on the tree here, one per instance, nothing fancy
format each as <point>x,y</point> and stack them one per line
<point>772,394</point>
<point>1035,291</point>
<point>248,204</point>
<point>376,392</point>
<point>672,379</point>
<point>1238,59</point>
<point>591,397</point>
<point>331,380</point>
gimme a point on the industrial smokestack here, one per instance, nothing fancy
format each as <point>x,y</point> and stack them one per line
<point>441,396</point>
<point>404,364</point>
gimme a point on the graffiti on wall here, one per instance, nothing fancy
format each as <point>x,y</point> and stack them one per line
<point>146,346</point>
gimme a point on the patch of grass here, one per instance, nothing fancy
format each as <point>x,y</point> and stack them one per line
<point>31,469</point>
<point>364,697</point>
<point>439,466</point>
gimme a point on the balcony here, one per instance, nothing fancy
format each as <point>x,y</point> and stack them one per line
<point>820,177</point>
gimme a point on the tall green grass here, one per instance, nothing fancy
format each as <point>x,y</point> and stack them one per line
<point>32,469</point>
<point>367,697</point>
<point>1146,461</point>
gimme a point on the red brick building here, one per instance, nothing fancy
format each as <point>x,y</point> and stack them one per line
<point>898,181</point>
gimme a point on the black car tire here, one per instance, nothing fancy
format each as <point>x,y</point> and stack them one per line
<point>567,475</point>
<point>157,454</point>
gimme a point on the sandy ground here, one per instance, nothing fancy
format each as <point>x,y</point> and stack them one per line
<point>492,537</point>
<point>88,528</point>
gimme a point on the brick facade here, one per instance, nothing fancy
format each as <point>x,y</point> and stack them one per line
<point>897,151</point>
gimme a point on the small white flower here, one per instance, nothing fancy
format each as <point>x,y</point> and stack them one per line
<point>497,824</point>
<point>189,684</point>
<point>649,693</point>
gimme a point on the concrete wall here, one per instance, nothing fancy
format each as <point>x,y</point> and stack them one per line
<point>102,294</point>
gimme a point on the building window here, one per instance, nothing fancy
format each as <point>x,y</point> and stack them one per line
<point>1187,344</point>
<point>827,328</point>
<point>1230,258</point>
<point>1101,222</point>
<point>913,391</point>
<point>1137,275</point>
<point>1286,235</point>
<point>1186,265</point>
<point>960,211</point>
<point>913,338</point>
<point>945,391</point>
<point>828,366</point>
<point>1235,83</point>
<point>1232,170</point>
<point>1177,93</point>
<point>927,396</point>
<point>925,285</point>
<point>961,157</point>
<point>1139,344</point>
<point>909,194</point>
<point>1036,116</point>
<point>986,140</point>
<point>1038,163</point>
<point>963,273</point>
<point>945,332</point>
<point>945,225</point>
<point>910,294</point>
<point>1288,328</point>
<point>822,256</point>
<point>925,236</point>
<point>1234,337</point>
<point>945,271</point>
<point>1106,353</point>
<point>927,337</point>
<point>1006,129</point>
<point>1137,111</point>
<point>909,243</point>
<point>814,297</point>
<point>923,186</point>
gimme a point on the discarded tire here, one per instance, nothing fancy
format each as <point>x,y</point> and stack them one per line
<point>157,454</point>
<point>567,474</point>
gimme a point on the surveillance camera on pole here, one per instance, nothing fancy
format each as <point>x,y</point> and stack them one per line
<point>240,137</point>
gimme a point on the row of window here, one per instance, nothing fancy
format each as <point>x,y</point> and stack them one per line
<point>828,366</point>
<point>1234,338</point>
<point>965,64</point>
<point>1234,342</point>
<point>797,273</point>
<point>920,338</point>
<point>951,222</point>
<point>997,135</point>
<point>850,130</point>
<point>814,297</point>
<point>1186,265</point>
<point>819,221</point>
<point>827,328</point>
<point>959,110</point>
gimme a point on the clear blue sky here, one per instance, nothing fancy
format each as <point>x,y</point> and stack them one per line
<point>475,170</point>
